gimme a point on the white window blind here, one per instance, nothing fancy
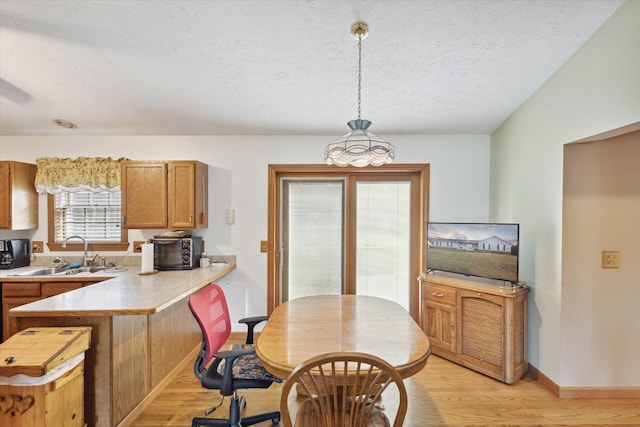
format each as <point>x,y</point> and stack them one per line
<point>94,216</point>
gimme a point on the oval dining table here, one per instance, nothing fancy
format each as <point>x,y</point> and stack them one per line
<point>305,327</point>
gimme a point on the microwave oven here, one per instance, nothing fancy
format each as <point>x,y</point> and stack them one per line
<point>176,253</point>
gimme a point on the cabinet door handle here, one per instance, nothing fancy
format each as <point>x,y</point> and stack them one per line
<point>437,294</point>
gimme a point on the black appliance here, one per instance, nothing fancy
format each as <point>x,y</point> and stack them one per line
<point>177,253</point>
<point>14,253</point>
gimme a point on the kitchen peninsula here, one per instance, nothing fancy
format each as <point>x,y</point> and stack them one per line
<point>142,330</point>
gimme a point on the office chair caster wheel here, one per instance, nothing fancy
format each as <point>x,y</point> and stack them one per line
<point>275,420</point>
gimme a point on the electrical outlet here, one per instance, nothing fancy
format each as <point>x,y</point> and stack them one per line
<point>263,246</point>
<point>137,246</point>
<point>610,259</point>
<point>37,247</point>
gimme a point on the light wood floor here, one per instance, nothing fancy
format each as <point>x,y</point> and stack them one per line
<point>442,394</point>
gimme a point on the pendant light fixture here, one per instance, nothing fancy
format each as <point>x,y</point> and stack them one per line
<point>359,147</point>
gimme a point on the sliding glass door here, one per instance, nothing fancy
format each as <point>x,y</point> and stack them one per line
<point>383,232</point>
<point>312,238</point>
<point>346,230</point>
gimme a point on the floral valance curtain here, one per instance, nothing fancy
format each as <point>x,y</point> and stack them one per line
<point>56,175</point>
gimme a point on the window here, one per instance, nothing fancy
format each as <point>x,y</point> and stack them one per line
<point>96,216</point>
<point>347,230</point>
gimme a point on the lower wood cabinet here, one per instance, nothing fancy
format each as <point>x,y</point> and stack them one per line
<point>15,294</point>
<point>477,323</point>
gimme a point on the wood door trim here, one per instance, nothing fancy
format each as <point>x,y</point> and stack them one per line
<point>419,212</point>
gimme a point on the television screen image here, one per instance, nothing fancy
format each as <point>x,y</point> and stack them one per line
<point>474,249</point>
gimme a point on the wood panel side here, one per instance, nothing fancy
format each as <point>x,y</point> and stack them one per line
<point>173,334</point>
<point>131,382</point>
<point>5,194</point>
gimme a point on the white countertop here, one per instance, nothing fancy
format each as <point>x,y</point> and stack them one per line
<point>119,293</point>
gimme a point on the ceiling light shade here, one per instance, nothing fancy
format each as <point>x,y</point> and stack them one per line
<point>359,147</point>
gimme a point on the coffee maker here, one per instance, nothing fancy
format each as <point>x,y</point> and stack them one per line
<point>14,253</point>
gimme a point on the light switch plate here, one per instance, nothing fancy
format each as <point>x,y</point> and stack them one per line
<point>231,216</point>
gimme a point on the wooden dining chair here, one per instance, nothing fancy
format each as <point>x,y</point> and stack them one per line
<point>341,390</point>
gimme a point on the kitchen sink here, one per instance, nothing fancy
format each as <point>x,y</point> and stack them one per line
<point>49,271</point>
<point>60,271</point>
<point>85,270</point>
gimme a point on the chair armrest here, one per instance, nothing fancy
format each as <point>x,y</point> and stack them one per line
<point>251,323</point>
<point>229,357</point>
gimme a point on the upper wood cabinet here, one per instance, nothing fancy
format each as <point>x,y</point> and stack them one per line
<point>18,197</point>
<point>144,194</point>
<point>172,194</point>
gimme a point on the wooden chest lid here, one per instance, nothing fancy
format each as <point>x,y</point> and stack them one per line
<point>35,351</point>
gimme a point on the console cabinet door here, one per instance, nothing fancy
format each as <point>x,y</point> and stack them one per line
<point>481,335</point>
<point>440,325</point>
<point>439,321</point>
<point>144,194</point>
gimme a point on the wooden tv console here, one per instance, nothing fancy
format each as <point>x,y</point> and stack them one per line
<point>478,323</point>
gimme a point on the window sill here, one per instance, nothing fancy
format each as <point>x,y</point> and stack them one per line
<point>79,247</point>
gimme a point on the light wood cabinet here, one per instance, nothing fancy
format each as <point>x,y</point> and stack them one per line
<point>477,323</point>
<point>18,197</point>
<point>188,195</point>
<point>144,194</point>
<point>15,294</point>
<point>439,307</point>
<point>171,194</point>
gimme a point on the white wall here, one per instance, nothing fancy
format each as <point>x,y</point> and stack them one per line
<point>599,306</point>
<point>238,179</point>
<point>598,89</point>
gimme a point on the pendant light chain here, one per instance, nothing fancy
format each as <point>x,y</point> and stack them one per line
<point>359,73</point>
<point>359,147</point>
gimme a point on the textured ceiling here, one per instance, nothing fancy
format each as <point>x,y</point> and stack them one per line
<point>161,67</point>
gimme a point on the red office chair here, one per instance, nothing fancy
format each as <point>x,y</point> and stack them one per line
<point>229,370</point>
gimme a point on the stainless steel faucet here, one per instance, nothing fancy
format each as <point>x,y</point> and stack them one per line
<point>85,258</point>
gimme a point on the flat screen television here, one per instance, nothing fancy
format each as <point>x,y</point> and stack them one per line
<point>474,249</point>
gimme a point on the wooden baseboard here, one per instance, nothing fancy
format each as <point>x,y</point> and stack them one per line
<point>544,381</point>
<point>241,336</point>
<point>238,336</point>
<point>583,392</point>
<point>599,392</point>
<point>140,407</point>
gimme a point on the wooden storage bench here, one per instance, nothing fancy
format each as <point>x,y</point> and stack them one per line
<point>42,377</point>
